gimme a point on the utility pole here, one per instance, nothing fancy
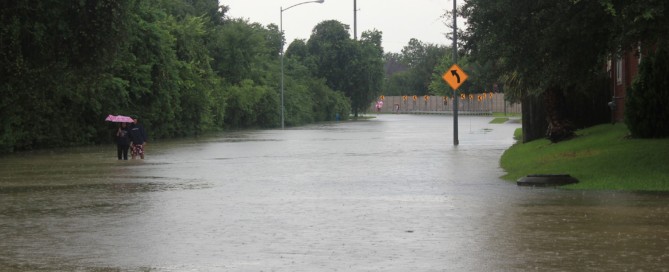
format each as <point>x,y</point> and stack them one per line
<point>355,20</point>
<point>455,60</point>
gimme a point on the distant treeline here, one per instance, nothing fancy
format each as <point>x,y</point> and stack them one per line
<point>182,66</point>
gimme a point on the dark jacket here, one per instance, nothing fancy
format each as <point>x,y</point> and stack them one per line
<point>137,134</point>
<point>123,137</point>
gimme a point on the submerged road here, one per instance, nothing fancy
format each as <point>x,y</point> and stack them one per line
<point>387,194</point>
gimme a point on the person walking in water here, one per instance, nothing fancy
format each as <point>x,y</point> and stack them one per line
<point>122,141</point>
<point>138,138</point>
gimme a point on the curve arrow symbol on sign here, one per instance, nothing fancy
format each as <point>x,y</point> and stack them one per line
<point>455,74</point>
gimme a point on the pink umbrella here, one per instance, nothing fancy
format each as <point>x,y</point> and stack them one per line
<point>119,119</point>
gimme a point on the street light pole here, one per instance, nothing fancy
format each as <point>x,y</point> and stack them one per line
<point>283,109</point>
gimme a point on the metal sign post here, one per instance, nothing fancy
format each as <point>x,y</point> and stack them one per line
<point>455,60</point>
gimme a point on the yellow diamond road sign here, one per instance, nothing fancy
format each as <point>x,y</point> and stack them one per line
<point>455,76</point>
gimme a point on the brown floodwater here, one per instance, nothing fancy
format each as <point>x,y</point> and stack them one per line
<point>387,194</point>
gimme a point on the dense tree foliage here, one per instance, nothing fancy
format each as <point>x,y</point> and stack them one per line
<point>395,78</point>
<point>548,48</point>
<point>646,114</point>
<point>367,71</point>
<point>352,67</point>
<point>183,67</point>
<point>640,23</point>
<point>411,71</point>
<point>54,57</point>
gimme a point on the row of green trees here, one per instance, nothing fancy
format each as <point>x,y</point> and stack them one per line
<point>183,67</point>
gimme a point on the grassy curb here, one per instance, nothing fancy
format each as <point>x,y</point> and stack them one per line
<point>601,157</point>
<point>499,120</point>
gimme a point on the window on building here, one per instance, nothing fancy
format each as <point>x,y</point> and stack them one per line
<point>608,65</point>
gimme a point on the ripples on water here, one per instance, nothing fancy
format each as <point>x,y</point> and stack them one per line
<point>389,194</point>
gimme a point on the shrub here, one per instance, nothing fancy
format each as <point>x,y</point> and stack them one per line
<point>647,105</point>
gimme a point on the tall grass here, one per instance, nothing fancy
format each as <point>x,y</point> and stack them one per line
<point>601,157</point>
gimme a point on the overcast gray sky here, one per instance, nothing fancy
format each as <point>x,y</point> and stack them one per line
<point>399,20</point>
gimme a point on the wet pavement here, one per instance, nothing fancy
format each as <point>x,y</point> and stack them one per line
<point>387,194</point>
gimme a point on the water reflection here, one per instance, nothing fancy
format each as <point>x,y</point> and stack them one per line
<point>390,194</point>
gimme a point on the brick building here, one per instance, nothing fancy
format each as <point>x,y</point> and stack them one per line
<point>622,71</point>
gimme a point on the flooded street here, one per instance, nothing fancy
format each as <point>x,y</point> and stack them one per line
<point>387,194</point>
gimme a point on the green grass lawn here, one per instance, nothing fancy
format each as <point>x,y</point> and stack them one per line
<point>508,114</point>
<point>601,157</point>
<point>499,120</point>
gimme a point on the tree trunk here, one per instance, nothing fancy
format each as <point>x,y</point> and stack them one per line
<point>559,127</point>
<point>534,118</point>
